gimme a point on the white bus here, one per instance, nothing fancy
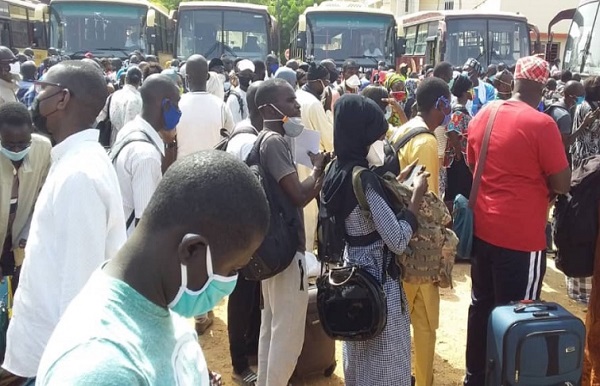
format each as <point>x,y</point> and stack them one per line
<point>582,51</point>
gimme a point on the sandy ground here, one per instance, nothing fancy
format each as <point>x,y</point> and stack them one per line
<point>450,357</point>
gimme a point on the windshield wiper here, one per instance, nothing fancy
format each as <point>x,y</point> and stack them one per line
<point>373,58</point>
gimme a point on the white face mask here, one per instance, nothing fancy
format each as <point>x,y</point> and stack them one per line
<point>353,82</point>
<point>388,112</point>
<point>376,154</point>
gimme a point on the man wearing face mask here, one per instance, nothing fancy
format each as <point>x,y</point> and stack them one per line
<point>205,220</point>
<point>503,84</point>
<point>8,84</point>
<point>272,64</point>
<point>331,93</point>
<point>314,118</point>
<point>562,112</point>
<point>351,81</point>
<point>285,294</point>
<point>139,148</point>
<point>236,100</point>
<point>24,164</point>
<point>526,153</point>
<point>78,220</point>
<point>433,100</point>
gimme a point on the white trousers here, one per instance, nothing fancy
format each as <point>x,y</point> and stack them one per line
<point>285,299</point>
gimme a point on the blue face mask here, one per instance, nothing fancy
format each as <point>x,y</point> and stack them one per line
<point>171,115</point>
<point>446,105</point>
<point>15,156</point>
<point>579,100</point>
<point>188,303</point>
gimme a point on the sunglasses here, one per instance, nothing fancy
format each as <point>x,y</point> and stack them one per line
<point>40,85</point>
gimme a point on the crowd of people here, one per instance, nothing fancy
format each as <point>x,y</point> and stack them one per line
<point>119,219</point>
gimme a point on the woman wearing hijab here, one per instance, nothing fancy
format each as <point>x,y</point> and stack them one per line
<point>359,126</point>
<point>394,83</point>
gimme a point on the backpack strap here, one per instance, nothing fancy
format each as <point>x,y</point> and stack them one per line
<point>483,153</point>
<point>359,191</point>
<point>406,138</point>
<point>134,136</point>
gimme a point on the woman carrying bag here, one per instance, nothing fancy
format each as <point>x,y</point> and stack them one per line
<point>359,128</point>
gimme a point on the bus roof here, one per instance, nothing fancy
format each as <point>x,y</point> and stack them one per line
<point>24,3</point>
<point>420,17</point>
<point>345,6</point>
<point>187,5</point>
<point>125,2</point>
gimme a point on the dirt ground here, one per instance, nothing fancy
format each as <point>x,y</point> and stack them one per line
<point>450,356</point>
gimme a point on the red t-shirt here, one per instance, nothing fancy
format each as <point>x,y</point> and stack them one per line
<point>525,148</point>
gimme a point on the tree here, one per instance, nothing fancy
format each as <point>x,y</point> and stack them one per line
<point>285,11</point>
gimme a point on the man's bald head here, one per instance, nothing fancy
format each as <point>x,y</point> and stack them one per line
<point>86,86</point>
<point>156,88</point>
<point>196,70</point>
<point>573,92</point>
<point>253,112</point>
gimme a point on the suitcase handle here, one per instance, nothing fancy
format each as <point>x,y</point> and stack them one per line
<point>544,306</point>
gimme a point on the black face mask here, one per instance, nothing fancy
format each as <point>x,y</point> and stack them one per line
<point>40,121</point>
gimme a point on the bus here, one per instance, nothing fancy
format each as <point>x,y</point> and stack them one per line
<point>456,36</point>
<point>582,51</point>
<point>345,30</point>
<point>110,28</point>
<point>22,25</point>
<point>214,29</point>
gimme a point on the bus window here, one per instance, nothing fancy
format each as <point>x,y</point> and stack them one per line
<point>509,41</point>
<point>421,44</point>
<point>37,30</point>
<point>18,24</point>
<point>4,33</point>
<point>411,36</point>
<point>465,39</point>
<point>583,30</point>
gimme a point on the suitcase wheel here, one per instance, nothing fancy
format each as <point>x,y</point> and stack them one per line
<point>329,371</point>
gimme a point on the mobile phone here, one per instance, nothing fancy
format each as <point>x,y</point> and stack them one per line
<point>399,96</point>
<point>413,174</point>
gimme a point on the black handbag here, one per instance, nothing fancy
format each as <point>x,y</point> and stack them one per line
<point>352,304</point>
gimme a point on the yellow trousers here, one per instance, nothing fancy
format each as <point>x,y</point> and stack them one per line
<point>424,306</point>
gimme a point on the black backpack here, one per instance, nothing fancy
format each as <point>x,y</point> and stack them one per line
<point>279,247</point>
<point>105,126</point>
<point>549,107</point>
<point>576,221</point>
<point>240,100</point>
<point>226,137</point>
<point>391,163</point>
<point>332,237</point>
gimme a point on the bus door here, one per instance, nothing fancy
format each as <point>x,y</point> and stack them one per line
<point>431,54</point>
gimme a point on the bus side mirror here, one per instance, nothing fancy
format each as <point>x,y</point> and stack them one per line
<point>400,46</point>
<point>301,40</point>
<point>151,35</point>
<point>151,18</point>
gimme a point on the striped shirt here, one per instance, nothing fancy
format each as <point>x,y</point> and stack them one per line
<point>138,167</point>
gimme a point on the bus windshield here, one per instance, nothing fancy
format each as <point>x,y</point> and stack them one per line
<point>583,42</point>
<point>110,27</point>
<point>340,36</point>
<point>490,41</point>
<point>212,33</point>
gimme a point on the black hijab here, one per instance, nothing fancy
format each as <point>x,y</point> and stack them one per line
<point>358,123</point>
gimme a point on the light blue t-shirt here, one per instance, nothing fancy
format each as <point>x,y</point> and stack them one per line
<point>111,335</point>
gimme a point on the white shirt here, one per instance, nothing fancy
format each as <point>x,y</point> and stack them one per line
<point>315,118</point>
<point>377,52</point>
<point>241,145</point>
<point>8,91</point>
<point>138,167</point>
<point>234,105</point>
<point>77,224</point>
<point>125,105</point>
<point>203,116</point>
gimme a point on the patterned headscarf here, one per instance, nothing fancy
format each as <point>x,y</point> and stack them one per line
<point>391,80</point>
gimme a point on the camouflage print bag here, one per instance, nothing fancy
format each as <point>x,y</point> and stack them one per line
<point>430,255</point>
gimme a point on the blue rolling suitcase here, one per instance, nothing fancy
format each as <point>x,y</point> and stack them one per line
<point>534,343</point>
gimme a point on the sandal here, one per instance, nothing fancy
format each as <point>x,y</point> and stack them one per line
<point>246,378</point>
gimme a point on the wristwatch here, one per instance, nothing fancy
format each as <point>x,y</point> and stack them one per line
<point>171,145</point>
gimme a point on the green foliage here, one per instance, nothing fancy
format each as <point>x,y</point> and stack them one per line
<point>285,11</point>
